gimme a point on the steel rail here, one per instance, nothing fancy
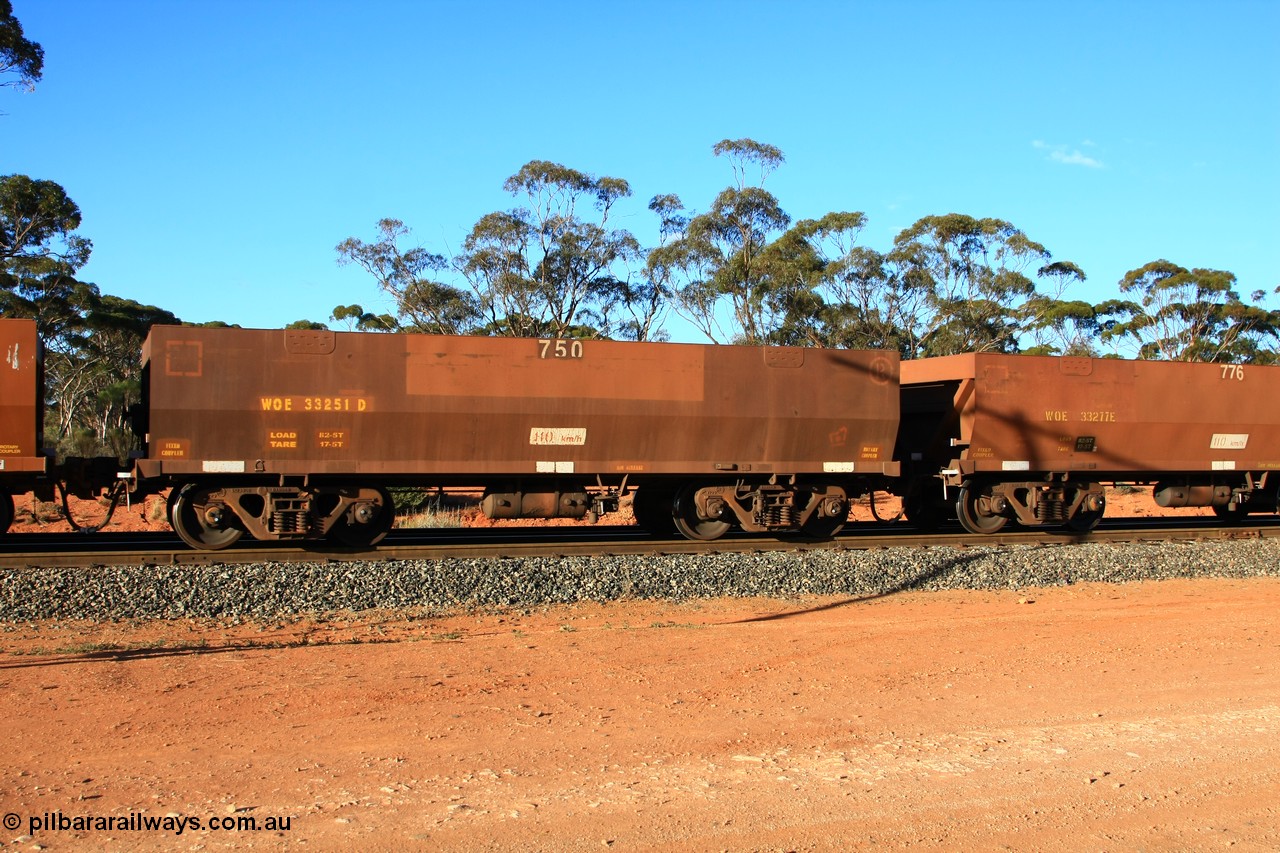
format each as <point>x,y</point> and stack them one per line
<point>495,543</point>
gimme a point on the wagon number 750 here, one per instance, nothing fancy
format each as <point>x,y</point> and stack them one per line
<point>561,348</point>
<point>1233,371</point>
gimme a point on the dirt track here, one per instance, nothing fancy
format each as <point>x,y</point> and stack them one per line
<point>1142,716</point>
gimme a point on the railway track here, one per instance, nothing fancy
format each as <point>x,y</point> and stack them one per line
<point>72,550</point>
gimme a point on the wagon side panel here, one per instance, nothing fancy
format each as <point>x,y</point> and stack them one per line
<point>347,403</point>
<point>1111,416</point>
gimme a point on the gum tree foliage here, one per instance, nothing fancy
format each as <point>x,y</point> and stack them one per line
<point>1177,314</point>
<point>550,268</point>
<point>40,254</point>
<point>93,382</point>
<point>358,319</point>
<point>410,278</point>
<point>21,60</point>
<point>659,269</point>
<point>973,277</point>
<point>636,305</point>
<point>1062,326</point>
<point>828,291</point>
<point>718,274</point>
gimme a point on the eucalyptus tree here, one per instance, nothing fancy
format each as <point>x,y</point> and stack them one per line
<point>358,319</point>
<point>40,254</point>
<point>1180,314</point>
<point>409,277</point>
<point>636,304</point>
<point>1062,326</point>
<point>830,291</point>
<point>108,361</point>
<point>550,268</point>
<point>979,281</point>
<point>21,60</point>
<point>719,280</point>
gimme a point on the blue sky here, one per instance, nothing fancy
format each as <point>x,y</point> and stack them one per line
<point>219,151</point>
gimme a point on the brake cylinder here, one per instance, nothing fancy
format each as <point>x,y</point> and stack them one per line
<point>1188,494</point>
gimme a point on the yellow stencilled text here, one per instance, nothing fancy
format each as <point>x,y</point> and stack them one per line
<point>331,439</point>
<point>173,450</point>
<point>314,404</point>
<point>282,440</point>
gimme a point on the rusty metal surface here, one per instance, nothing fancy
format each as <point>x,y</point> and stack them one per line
<point>1101,415</point>
<point>19,399</point>
<point>227,401</point>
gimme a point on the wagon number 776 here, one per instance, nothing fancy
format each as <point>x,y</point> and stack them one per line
<point>1233,371</point>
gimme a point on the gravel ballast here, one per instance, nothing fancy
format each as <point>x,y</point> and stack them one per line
<point>436,586</point>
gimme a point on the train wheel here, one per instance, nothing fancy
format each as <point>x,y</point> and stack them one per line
<point>1085,520</point>
<point>689,524</point>
<point>973,510</point>
<point>6,512</point>
<point>652,509</point>
<point>202,524</point>
<point>373,524</point>
<point>1090,507</point>
<point>822,527</point>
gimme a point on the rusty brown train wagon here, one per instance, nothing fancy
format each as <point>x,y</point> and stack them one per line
<point>1034,438</point>
<point>21,395</point>
<point>297,434</point>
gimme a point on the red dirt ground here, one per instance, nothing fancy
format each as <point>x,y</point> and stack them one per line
<point>1093,717</point>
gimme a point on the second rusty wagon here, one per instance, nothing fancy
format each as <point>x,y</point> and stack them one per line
<point>1035,438</point>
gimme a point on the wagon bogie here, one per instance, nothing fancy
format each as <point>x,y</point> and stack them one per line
<point>984,506</point>
<point>817,510</point>
<point>213,516</point>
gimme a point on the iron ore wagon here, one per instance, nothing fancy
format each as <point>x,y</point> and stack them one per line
<point>1035,438</point>
<point>298,434</point>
